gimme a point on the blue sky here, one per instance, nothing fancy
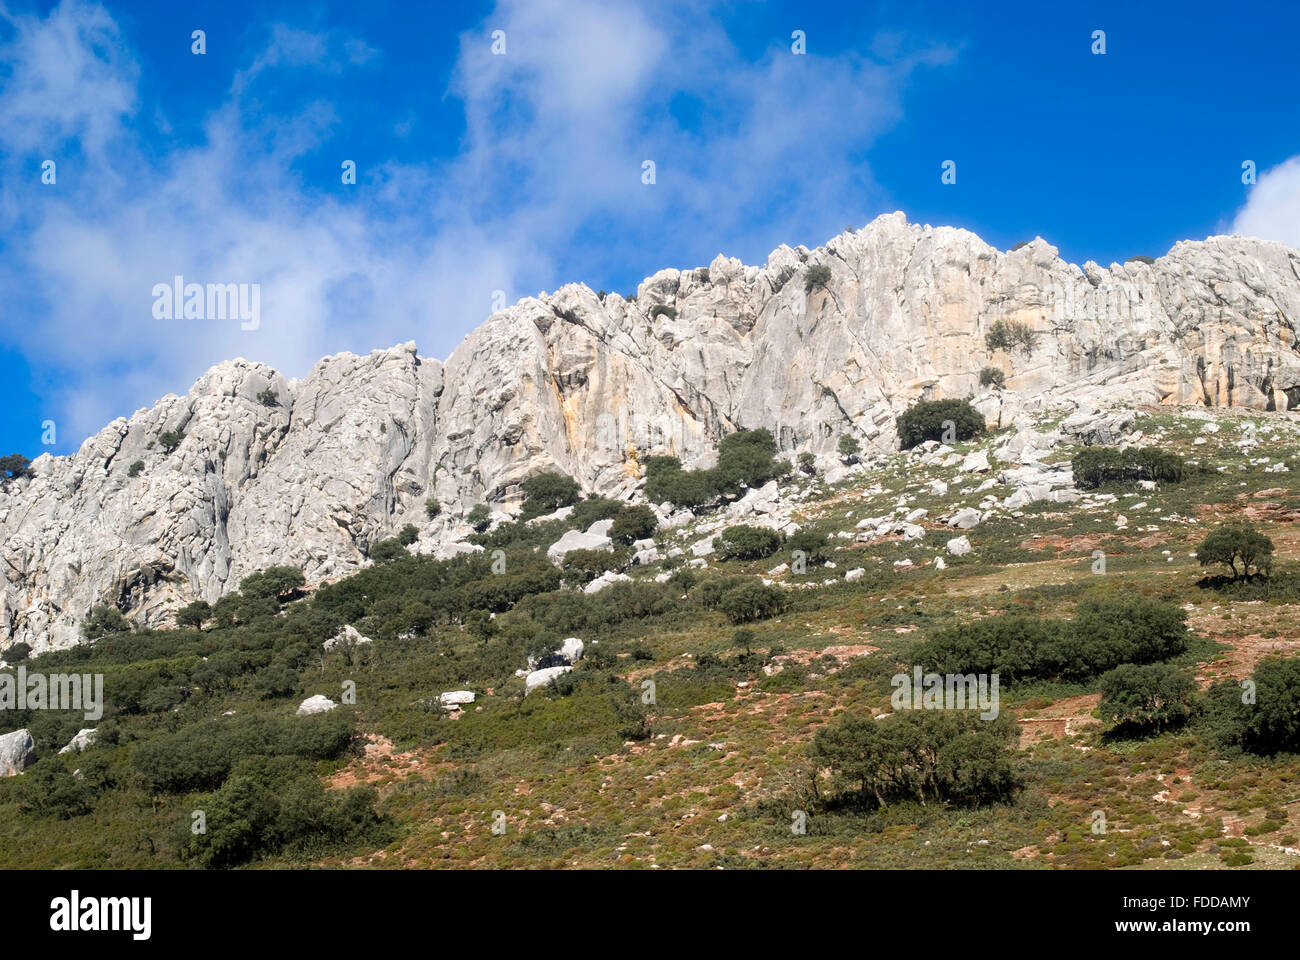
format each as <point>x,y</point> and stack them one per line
<point>479,173</point>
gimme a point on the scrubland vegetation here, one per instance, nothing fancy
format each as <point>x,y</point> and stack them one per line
<point>725,714</point>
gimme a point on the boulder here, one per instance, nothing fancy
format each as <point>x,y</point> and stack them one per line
<point>17,752</point>
<point>578,540</point>
<point>85,738</point>
<point>456,698</point>
<point>571,649</point>
<point>540,678</point>
<point>959,546</point>
<point>317,704</point>
<point>349,635</point>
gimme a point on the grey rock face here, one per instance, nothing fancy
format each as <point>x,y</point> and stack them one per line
<point>17,752</point>
<point>347,455</point>
<point>85,738</point>
<point>317,704</point>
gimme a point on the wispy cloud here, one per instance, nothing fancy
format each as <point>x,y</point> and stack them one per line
<point>1272,212</point>
<point>749,152</point>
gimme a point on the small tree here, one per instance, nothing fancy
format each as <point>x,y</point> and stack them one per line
<point>1008,334</point>
<point>278,583</point>
<point>632,524</point>
<point>993,377</point>
<point>408,535</point>
<point>170,440</point>
<point>14,466</point>
<point>102,621</point>
<point>744,637</point>
<point>817,277</point>
<point>546,492</point>
<point>432,507</point>
<point>752,601</point>
<point>743,542</point>
<point>1151,697</point>
<point>943,420</point>
<point>135,469</point>
<point>479,517</point>
<point>663,310</point>
<point>193,614</point>
<point>1237,542</point>
<point>268,398</point>
<point>807,463</point>
<point>849,447</point>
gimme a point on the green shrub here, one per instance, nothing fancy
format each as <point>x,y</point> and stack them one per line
<point>816,547</point>
<point>663,310</point>
<point>432,507</point>
<point>50,790</point>
<point>745,458</point>
<point>632,524</point>
<point>479,517</point>
<point>268,398</point>
<point>546,493</point>
<point>1009,334</point>
<point>386,551</point>
<point>817,276</point>
<point>1141,258</point>
<point>593,509</point>
<point>848,446</point>
<point>1263,718</point>
<point>1102,635</point>
<point>583,566</point>
<point>170,440</point>
<point>104,620</point>
<point>943,420</point>
<point>193,614</point>
<point>408,535</point>
<point>280,583</point>
<point>135,469</point>
<point>993,377</point>
<point>743,542</point>
<point>752,601</point>
<point>1153,696</point>
<point>13,466</point>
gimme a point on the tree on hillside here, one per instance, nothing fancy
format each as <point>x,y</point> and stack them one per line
<point>633,524</point>
<point>1233,543</point>
<point>547,492</point>
<point>102,621</point>
<point>14,466</point>
<point>1147,697</point>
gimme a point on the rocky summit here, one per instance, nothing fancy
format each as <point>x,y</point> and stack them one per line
<point>248,470</point>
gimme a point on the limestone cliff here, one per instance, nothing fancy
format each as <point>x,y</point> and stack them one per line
<point>351,452</point>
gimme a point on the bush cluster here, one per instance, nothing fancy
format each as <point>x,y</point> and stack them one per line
<point>946,756</point>
<point>1102,635</point>
<point>1097,466</point>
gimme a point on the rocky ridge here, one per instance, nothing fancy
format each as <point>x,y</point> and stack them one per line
<point>590,386</point>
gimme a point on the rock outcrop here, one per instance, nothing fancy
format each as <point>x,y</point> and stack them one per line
<point>591,386</point>
<point>17,752</point>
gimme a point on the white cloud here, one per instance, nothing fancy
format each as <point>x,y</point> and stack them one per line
<point>556,131</point>
<point>1272,212</point>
